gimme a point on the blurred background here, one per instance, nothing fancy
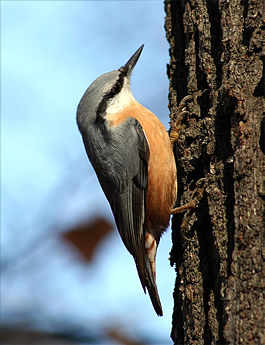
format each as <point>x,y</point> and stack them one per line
<point>66,277</point>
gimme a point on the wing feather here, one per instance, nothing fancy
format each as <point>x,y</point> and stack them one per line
<point>120,158</point>
<point>125,187</point>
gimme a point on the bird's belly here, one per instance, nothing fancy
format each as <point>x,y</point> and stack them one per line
<point>162,184</point>
<point>162,178</point>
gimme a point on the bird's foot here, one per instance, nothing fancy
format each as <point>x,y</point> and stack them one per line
<point>176,119</point>
<point>195,201</point>
<point>190,207</point>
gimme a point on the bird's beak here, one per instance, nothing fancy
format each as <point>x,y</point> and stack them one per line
<point>129,66</point>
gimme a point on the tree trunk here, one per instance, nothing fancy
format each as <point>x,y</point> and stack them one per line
<point>216,55</point>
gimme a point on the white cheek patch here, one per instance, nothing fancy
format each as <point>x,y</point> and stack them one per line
<point>121,100</point>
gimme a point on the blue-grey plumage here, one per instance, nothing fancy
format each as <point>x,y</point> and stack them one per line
<point>120,137</point>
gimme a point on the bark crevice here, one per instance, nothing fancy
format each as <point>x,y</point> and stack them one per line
<point>216,38</point>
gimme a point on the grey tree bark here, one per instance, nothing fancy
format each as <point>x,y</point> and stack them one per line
<point>216,55</point>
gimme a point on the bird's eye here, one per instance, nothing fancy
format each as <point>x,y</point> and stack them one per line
<point>116,88</point>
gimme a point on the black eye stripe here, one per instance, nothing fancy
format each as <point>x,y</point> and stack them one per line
<point>113,92</point>
<point>116,87</point>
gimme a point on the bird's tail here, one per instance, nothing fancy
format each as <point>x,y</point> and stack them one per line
<point>147,271</point>
<point>152,288</point>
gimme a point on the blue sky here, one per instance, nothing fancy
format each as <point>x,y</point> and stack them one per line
<point>50,52</point>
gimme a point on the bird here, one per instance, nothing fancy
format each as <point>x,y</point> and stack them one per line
<point>131,153</point>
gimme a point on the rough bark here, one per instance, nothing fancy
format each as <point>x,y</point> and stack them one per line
<point>216,48</point>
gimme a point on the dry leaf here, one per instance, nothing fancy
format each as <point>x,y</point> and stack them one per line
<point>87,237</point>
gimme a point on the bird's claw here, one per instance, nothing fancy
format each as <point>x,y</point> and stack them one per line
<point>190,206</point>
<point>176,118</point>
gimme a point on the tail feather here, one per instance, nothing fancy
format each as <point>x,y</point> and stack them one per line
<point>152,289</point>
<point>145,264</point>
<point>141,273</point>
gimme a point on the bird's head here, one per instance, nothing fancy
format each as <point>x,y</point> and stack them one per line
<point>110,92</point>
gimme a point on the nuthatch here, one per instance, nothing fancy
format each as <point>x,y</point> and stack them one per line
<point>132,155</point>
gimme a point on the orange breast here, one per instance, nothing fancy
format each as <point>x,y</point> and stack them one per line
<point>162,183</point>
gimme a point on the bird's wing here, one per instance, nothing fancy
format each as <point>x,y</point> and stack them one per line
<point>125,183</point>
<point>120,158</point>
